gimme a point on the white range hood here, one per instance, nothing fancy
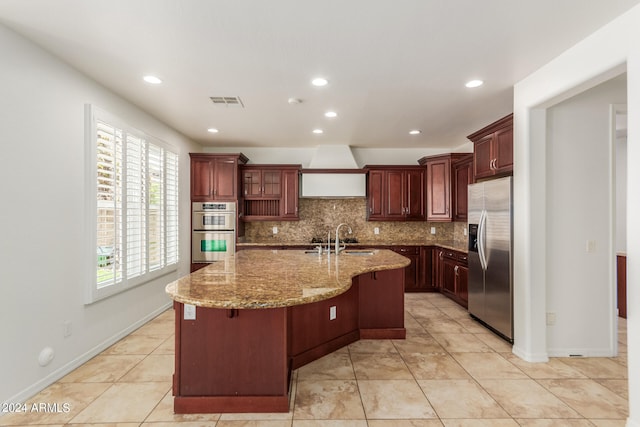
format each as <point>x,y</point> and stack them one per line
<point>333,173</point>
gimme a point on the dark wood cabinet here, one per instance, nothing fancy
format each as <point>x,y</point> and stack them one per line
<point>396,193</point>
<point>214,177</point>
<point>412,278</point>
<point>426,267</point>
<point>462,176</point>
<point>381,299</point>
<point>493,149</point>
<point>441,203</point>
<point>453,275</point>
<point>621,269</point>
<point>270,192</point>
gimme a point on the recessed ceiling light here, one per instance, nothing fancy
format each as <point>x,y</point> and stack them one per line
<point>152,79</point>
<point>318,131</point>
<point>474,83</point>
<point>319,81</point>
<point>415,132</point>
<point>294,101</point>
<point>213,130</point>
<point>331,114</point>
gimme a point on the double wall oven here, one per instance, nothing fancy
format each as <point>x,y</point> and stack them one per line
<point>213,231</point>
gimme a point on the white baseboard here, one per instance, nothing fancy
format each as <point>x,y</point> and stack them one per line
<point>530,357</point>
<point>54,376</point>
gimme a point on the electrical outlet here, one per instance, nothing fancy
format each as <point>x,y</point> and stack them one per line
<point>333,312</point>
<point>275,230</point>
<point>465,231</point>
<point>551,319</point>
<point>189,312</point>
<point>590,246</point>
<point>376,230</point>
<point>66,327</point>
<point>433,230</point>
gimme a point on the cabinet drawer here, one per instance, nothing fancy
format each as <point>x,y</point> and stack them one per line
<point>407,250</point>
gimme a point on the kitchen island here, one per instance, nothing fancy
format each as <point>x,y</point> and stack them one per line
<point>244,323</point>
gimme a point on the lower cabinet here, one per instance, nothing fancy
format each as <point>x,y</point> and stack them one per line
<point>412,278</point>
<point>453,273</point>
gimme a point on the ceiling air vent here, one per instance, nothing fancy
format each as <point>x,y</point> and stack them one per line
<point>227,101</point>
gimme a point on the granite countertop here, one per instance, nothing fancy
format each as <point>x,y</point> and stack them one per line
<point>456,245</point>
<point>277,278</point>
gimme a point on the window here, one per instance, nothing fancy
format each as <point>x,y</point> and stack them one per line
<point>133,205</point>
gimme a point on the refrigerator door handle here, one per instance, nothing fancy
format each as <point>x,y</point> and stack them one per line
<point>481,239</point>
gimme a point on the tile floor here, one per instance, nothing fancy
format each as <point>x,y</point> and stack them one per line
<point>450,372</point>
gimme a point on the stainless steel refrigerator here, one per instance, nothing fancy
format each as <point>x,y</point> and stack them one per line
<point>491,254</point>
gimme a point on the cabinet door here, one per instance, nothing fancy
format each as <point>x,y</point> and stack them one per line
<point>251,183</point>
<point>482,157</point>
<point>427,282</point>
<point>375,197</point>
<point>414,194</point>
<point>271,186</point>
<point>394,194</point>
<point>289,198</point>
<point>225,180</point>
<point>503,150</point>
<point>412,271</point>
<point>201,179</point>
<point>448,276</point>
<point>438,190</point>
<point>462,278</point>
<point>462,177</point>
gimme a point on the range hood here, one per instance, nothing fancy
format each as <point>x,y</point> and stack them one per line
<point>333,173</point>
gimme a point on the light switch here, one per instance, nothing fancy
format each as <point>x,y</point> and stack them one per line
<point>189,312</point>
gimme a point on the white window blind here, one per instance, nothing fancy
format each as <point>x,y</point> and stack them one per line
<point>135,205</point>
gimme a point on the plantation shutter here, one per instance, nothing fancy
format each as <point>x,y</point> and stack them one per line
<point>136,207</point>
<point>171,228</point>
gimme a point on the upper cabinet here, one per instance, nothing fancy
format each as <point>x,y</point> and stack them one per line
<point>214,177</point>
<point>462,175</point>
<point>443,189</point>
<point>395,193</point>
<point>270,192</point>
<point>493,149</point>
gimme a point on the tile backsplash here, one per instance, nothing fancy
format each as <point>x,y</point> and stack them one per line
<point>320,216</point>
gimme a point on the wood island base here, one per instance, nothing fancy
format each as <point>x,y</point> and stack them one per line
<point>240,360</point>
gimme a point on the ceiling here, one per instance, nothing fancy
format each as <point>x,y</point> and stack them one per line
<point>392,66</point>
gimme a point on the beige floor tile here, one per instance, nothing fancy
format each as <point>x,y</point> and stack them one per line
<point>432,313</point>
<point>455,312</point>
<point>461,399</point>
<point>163,412</point>
<point>334,366</point>
<point>434,366</point>
<point>472,326</point>
<point>101,369</point>
<point>328,399</point>
<point>609,423</point>
<point>619,387</point>
<point>404,423</point>
<point>151,369</point>
<point>480,423</point>
<point>555,423</point>
<point>527,399</point>
<point>330,423</point>
<point>488,365</point>
<point>394,399</point>
<point>123,402</point>
<point>461,343</point>
<point>161,328</point>
<point>168,346</point>
<point>442,326</point>
<point>380,366</point>
<point>252,423</point>
<point>496,343</point>
<point>588,398</point>
<point>77,395</point>
<point>597,367</point>
<point>423,344</point>
<point>372,346</point>
<point>264,416</point>
<point>135,344</point>
<point>552,369</point>
<point>621,359</point>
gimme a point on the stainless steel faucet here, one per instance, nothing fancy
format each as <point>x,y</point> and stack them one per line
<point>338,248</point>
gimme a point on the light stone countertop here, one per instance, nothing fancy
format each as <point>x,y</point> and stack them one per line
<point>460,246</point>
<point>277,278</point>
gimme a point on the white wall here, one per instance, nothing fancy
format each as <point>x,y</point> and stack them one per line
<point>595,59</point>
<point>579,209</point>
<point>42,241</point>
<point>621,195</point>
<point>363,156</point>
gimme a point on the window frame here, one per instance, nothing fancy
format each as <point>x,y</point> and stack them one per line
<point>170,214</point>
